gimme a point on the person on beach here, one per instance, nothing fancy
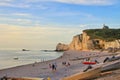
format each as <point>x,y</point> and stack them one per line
<point>64,63</point>
<point>113,57</point>
<point>87,59</point>
<point>106,59</point>
<point>89,67</point>
<point>50,66</point>
<point>54,66</point>
<point>96,61</point>
<point>68,64</point>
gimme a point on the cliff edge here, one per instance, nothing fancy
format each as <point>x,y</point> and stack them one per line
<point>93,39</point>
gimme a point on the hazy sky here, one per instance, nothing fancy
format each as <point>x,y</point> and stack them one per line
<point>41,24</point>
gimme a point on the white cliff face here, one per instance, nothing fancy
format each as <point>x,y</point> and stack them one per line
<point>80,42</point>
<point>83,42</point>
<point>76,43</point>
<point>113,44</point>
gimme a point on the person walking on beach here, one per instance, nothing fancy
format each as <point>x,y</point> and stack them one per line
<point>68,64</point>
<point>53,67</point>
<point>50,66</point>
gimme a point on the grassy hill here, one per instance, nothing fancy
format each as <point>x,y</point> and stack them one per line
<point>104,34</point>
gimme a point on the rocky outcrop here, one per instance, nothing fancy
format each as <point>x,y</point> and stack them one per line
<point>85,42</point>
<point>62,47</point>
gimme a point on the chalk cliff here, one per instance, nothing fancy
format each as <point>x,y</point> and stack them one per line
<point>83,42</point>
<point>93,39</point>
<point>76,43</point>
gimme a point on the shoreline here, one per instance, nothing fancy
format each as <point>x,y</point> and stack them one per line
<point>16,58</point>
<point>42,70</point>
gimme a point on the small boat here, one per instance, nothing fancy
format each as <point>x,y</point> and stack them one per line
<point>87,62</point>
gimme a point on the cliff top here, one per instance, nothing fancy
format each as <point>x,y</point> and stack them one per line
<point>104,34</point>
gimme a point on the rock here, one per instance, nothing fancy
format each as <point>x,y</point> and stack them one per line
<point>62,47</point>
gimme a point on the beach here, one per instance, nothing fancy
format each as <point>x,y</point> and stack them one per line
<point>43,69</point>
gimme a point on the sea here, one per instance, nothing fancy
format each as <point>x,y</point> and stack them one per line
<point>13,58</point>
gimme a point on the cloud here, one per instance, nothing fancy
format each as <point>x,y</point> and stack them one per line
<point>22,14</point>
<point>81,2</point>
<point>17,21</point>
<point>69,13</point>
<point>88,2</point>
<point>15,14</point>
<point>29,3</point>
<point>13,3</point>
<point>1,1</point>
<point>19,18</point>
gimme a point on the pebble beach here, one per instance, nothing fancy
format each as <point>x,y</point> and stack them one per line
<point>43,69</point>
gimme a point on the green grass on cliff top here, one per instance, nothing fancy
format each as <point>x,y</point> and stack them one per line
<point>104,34</point>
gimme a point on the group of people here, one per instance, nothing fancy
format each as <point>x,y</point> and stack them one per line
<point>53,66</point>
<point>66,63</point>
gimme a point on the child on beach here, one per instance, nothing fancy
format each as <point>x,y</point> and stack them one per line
<point>50,66</point>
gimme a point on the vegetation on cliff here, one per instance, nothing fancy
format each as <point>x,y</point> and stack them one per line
<point>104,34</point>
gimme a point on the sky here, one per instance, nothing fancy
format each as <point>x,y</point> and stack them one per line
<point>41,24</point>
